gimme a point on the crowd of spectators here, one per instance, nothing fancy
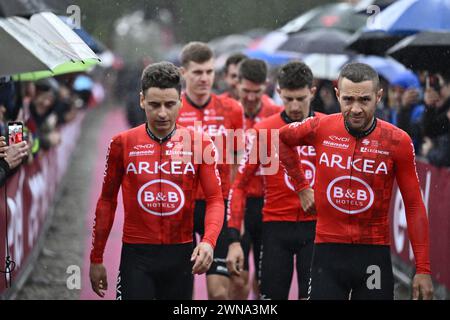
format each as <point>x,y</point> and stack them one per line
<point>42,107</point>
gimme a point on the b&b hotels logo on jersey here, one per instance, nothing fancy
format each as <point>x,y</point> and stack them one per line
<point>309,172</point>
<point>308,167</point>
<point>161,200</point>
<point>354,200</point>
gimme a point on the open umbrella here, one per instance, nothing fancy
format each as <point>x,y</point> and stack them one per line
<point>373,42</point>
<point>23,50</point>
<point>52,28</point>
<point>92,42</point>
<point>400,19</point>
<point>388,68</point>
<point>424,51</point>
<point>325,66</point>
<point>340,16</point>
<point>26,8</point>
<point>274,58</point>
<point>327,41</point>
<point>271,41</point>
<point>79,57</point>
<point>412,16</point>
<point>323,49</point>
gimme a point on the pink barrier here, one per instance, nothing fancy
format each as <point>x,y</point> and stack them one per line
<point>30,193</point>
<point>435,185</point>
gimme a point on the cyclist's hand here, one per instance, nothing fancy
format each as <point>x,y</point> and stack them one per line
<point>203,257</point>
<point>422,287</point>
<point>97,274</point>
<point>307,200</point>
<point>235,258</point>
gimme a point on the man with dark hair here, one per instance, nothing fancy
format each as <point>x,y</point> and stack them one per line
<point>288,226</point>
<point>251,87</point>
<point>295,75</point>
<point>222,118</point>
<point>158,190</point>
<point>231,74</point>
<point>358,158</point>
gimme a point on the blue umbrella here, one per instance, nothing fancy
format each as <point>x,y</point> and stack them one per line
<point>412,16</point>
<point>274,59</point>
<point>388,68</point>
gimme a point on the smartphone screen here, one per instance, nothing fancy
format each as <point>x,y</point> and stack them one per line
<point>15,132</point>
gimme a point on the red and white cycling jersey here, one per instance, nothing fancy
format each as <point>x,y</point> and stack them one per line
<point>158,179</point>
<point>354,181</point>
<point>281,202</point>
<point>218,118</point>
<point>255,186</point>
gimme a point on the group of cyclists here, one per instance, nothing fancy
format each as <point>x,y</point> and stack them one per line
<point>295,187</point>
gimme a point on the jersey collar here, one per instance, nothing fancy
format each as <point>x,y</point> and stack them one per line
<point>196,105</point>
<point>159,140</point>
<point>361,134</point>
<point>247,116</point>
<point>286,118</point>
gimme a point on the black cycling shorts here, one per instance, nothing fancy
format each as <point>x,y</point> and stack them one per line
<point>343,271</point>
<point>281,241</point>
<point>251,239</point>
<point>219,265</point>
<point>153,271</point>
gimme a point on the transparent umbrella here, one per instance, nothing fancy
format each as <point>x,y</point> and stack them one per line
<point>79,57</point>
<point>23,50</point>
<point>52,28</point>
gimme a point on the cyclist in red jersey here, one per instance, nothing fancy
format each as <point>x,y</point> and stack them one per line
<point>287,229</point>
<point>232,80</point>
<point>252,82</point>
<point>222,119</point>
<point>358,158</point>
<point>158,165</point>
<point>231,75</point>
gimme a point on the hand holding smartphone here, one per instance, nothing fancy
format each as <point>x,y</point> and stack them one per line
<point>15,132</point>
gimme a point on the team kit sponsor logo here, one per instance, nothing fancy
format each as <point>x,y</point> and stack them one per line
<point>333,144</point>
<point>360,164</point>
<point>212,130</point>
<point>309,169</point>
<point>223,149</point>
<point>167,167</point>
<point>354,200</point>
<point>349,194</point>
<point>161,197</point>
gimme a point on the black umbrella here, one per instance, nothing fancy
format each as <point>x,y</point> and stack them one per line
<point>27,8</point>
<point>340,16</point>
<point>373,42</point>
<point>424,51</point>
<point>327,41</point>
